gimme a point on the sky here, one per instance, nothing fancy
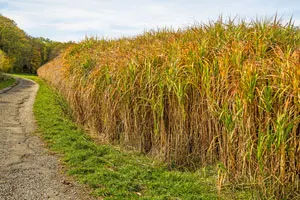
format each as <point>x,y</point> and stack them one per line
<point>73,20</point>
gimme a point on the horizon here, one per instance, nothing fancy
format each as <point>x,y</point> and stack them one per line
<point>65,20</point>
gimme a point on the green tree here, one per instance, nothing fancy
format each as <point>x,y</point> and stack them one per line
<point>36,60</point>
<point>5,62</point>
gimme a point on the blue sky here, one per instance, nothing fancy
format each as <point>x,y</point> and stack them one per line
<point>65,20</point>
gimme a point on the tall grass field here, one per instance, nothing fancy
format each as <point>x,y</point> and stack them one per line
<point>224,93</point>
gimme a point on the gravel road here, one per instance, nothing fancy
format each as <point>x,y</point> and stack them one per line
<point>27,168</point>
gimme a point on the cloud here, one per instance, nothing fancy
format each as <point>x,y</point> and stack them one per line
<point>73,19</point>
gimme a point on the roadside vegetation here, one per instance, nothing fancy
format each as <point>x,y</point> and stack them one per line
<point>111,172</point>
<point>224,93</point>
<point>6,81</point>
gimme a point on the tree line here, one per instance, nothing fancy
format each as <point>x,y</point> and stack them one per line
<point>19,52</point>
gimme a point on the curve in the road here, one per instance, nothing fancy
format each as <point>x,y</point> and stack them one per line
<point>27,170</point>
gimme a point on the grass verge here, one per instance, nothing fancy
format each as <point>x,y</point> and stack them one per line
<point>6,81</point>
<point>113,173</point>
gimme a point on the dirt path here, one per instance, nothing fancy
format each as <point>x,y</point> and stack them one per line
<point>27,170</point>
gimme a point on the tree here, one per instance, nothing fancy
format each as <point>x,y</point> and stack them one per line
<point>5,62</point>
<point>36,60</point>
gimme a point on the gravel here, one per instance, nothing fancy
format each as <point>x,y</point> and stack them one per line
<point>27,169</point>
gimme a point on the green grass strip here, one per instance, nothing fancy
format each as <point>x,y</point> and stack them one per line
<point>6,81</point>
<point>113,173</point>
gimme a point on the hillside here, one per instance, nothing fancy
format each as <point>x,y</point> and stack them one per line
<point>20,52</point>
<point>225,93</point>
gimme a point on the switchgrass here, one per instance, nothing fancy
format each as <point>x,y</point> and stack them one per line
<point>110,172</point>
<point>225,93</point>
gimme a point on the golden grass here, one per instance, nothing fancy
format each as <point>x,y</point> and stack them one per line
<point>226,93</point>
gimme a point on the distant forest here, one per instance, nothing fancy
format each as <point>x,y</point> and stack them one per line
<point>19,52</point>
